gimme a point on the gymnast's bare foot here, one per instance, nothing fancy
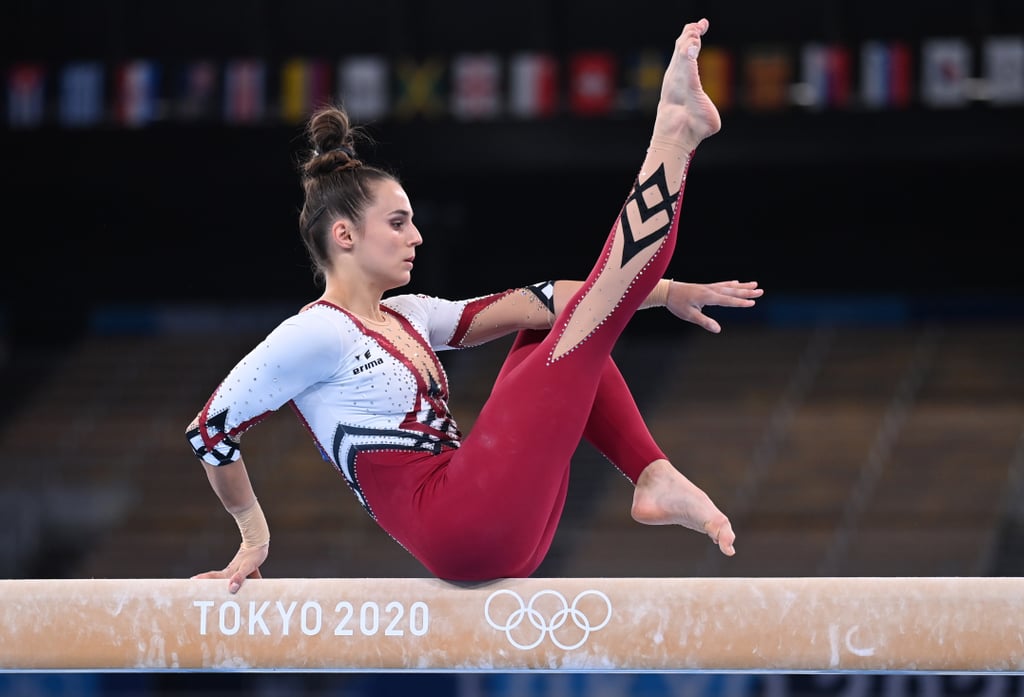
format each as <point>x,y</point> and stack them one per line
<point>664,496</point>
<point>685,113</point>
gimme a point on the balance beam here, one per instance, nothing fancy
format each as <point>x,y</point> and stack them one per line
<point>937,625</point>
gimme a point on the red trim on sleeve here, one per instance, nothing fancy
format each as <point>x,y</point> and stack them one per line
<point>469,313</point>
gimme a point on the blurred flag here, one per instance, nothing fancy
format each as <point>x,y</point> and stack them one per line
<point>420,88</point>
<point>26,95</point>
<point>1004,69</point>
<point>476,86</point>
<point>885,74</point>
<point>768,74</point>
<point>244,91</point>
<point>81,94</point>
<point>644,71</point>
<point>137,96</point>
<point>825,77</point>
<point>197,91</point>
<point>592,88</point>
<point>716,76</point>
<point>946,67</point>
<point>363,87</point>
<point>533,85</point>
<point>305,85</point>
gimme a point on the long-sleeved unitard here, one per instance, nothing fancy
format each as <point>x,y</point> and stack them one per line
<point>375,399</point>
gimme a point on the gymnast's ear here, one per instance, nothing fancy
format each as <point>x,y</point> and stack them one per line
<point>343,233</point>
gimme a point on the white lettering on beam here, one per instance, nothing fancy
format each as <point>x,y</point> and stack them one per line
<point>393,620</point>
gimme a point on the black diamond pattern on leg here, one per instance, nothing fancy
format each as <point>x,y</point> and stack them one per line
<point>631,246</point>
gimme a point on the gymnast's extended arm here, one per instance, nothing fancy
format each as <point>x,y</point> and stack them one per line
<point>535,307</point>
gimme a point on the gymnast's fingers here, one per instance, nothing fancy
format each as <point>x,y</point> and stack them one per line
<point>244,569</point>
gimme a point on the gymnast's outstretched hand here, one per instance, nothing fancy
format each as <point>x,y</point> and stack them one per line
<point>688,300</point>
<point>246,564</point>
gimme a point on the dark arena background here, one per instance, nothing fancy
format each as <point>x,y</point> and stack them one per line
<point>865,419</point>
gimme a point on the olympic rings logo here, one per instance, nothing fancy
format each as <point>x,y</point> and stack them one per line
<point>547,623</point>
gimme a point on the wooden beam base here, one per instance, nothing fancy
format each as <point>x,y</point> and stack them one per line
<point>946,625</point>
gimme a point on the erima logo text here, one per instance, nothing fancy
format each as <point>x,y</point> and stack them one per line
<point>366,366</point>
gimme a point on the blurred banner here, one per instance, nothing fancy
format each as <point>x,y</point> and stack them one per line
<point>940,73</point>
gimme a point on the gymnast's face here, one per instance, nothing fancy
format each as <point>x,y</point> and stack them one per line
<point>387,246</point>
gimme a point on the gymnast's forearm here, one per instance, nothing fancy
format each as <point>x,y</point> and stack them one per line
<point>233,487</point>
<point>564,290</point>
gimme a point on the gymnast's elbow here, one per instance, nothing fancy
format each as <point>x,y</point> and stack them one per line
<point>212,445</point>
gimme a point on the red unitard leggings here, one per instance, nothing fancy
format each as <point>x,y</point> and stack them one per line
<point>490,508</point>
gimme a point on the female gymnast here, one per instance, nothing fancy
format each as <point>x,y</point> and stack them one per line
<point>362,373</point>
